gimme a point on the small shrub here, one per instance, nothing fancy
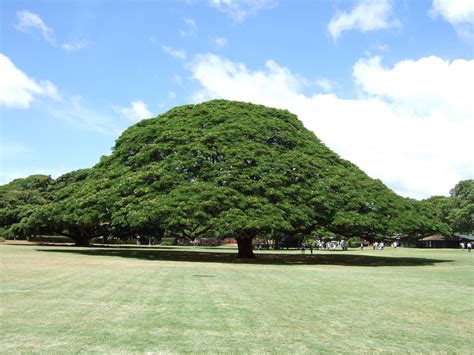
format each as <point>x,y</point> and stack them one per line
<point>168,241</point>
<point>354,242</point>
<point>3,233</point>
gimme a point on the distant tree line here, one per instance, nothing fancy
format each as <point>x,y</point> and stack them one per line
<point>223,169</point>
<point>457,210</point>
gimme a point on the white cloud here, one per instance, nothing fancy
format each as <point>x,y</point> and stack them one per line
<point>220,42</point>
<point>136,112</point>
<point>223,78</point>
<point>76,113</point>
<point>410,127</point>
<point>455,11</point>
<point>18,90</point>
<point>75,46</point>
<point>460,13</point>
<point>190,28</point>
<point>325,84</point>
<point>239,10</point>
<point>28,21</point>
<point>426,87</point>
<point>367,15</point>
<point>175,53</point>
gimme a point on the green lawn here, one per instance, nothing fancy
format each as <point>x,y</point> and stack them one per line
<point>175,300</point>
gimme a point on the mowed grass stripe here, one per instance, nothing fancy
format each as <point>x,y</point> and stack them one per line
<point>57,301</point>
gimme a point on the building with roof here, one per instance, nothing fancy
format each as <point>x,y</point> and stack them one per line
<point>465,237</point>
<point>439,241</point>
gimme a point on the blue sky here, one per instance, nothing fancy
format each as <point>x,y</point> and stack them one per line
<point>386,84</point>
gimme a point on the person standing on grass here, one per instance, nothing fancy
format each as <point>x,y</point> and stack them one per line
<point>462,245</point>
<point>311,248</point>
<point>469,247</point>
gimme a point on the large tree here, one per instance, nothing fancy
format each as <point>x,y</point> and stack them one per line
<point>224,169</point>
<point>457,210</point>
<point>461,215</point>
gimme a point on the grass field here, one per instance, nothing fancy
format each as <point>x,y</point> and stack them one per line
<point>175,300</point>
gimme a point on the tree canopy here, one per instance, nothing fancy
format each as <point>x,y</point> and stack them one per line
<point>225,169</point>
<point>19,199</point>
<point>457,210</point>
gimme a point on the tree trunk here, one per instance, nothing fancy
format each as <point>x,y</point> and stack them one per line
<point>81,241</point>
<point>245,248</point>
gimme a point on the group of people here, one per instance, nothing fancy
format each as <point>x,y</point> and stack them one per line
<point>381,245</point>
<point>321,244</point>
<point>467,246</point>
<point>378,245</point>
<point>333,245</point>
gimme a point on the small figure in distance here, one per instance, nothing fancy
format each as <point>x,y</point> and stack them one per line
<point>361,245</point>
<point>311,248</point>
<point>375,245</point>
<point>469,247</point>
<point>462,245</point>
<point>302,248</point>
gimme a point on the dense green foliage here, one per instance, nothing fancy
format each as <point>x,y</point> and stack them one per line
<point>457,210</point>
<point>225,169</point>
<point>461,216</point>
<point>354,242</point>
<point>18,200</point>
